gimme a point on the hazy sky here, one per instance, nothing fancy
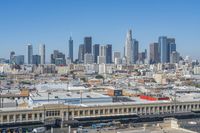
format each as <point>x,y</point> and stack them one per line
<point>107,21</point>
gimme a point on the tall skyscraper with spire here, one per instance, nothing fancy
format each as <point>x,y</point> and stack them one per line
<point>42,53</point>
<point>71,53</point>
<point>128,47</point>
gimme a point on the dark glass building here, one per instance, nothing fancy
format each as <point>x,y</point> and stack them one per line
<point>88,45</point>
<point>96,52</point>
<point>71,50</point>
<point>108,53</point>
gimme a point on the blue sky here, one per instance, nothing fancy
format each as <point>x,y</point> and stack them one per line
<point>107,21</point>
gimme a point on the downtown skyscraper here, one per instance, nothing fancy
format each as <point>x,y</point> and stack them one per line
<point>154,53</point>
<point>135,51</point>
<point>128,47</point>
<point>88,45</point>
<point>96,52</point>
<point>70,52</point>
<point>108,53</point>
<point>29,53</point>
<point>42,52</point>
<point>166,47</point>
<point>81,53</point>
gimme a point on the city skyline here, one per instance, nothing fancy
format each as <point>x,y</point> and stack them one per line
<point>181,23</point>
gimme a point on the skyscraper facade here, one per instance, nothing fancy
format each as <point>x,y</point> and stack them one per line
<point>102,55</point>
<point>117,55</point>
<point>154,54</point>
<point>163,49</point>
<point>81,53</point>
<point>58,58</point>
<point>36,59</point>
<point>42,52</point>
<point>71,53</point>
<point>172,47</point>
<point>12,54</point>
<point>128,47</point>
<point>174,57</point>
<point>29,53</point>
<point>18,60</point>
<point>96,52</point>
<point>166,47</point>
<point>108,53</point>
<point>88,59</point>
<point>102,51</point>
<point>88,45</point>
<point>135,51</point>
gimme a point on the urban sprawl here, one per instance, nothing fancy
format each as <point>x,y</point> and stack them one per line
<point>101,91</point>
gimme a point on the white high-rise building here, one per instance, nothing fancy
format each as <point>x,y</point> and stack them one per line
<point>42,53</point>
<point>88,58</point>
<point>174,57</point>
<point>101,59</point>
<point>116,55</point>
<point>29,53</point>
<point>128,47</point>
<point>102,51</point>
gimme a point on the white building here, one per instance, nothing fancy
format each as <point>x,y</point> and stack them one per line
<point>118,61</point>
<point>174,57</point>
<point>42,53</point>
<point>101,59</point>
<point>88,58</point>
<point>128,47</point>
<point>196,70</point>
<point>116,55</point>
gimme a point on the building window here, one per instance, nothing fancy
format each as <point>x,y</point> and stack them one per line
<point>129,110</point>
<point>18,117</point>
<point>101,111</point>
<point>96,112</point>
<point>125,110</point>
<point>116,111</point>
<point>65,113</point>
<point>4,118</point>
<point>11,118</point>
<point>111,111</point>
<point>81,112</point>
<point>86,112</point>
<point>76,113</point>
<point>35,116</point>
<point>23,116</point>
<point>47,113</point>
<point>91,112</point>
<point>40,115</point>
<point>120,110</point>
<point>29,116</point>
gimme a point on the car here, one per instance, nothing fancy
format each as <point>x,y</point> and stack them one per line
<point>39,130</point>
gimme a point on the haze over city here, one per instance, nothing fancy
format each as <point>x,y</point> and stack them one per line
<point>107,21</point>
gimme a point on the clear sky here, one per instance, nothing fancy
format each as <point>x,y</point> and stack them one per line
<point>107,21</point>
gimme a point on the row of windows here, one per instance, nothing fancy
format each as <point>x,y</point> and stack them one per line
<point>22,116</point>
<point>135,110</point>
<point>52,113</point>
<point>105,111</point>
